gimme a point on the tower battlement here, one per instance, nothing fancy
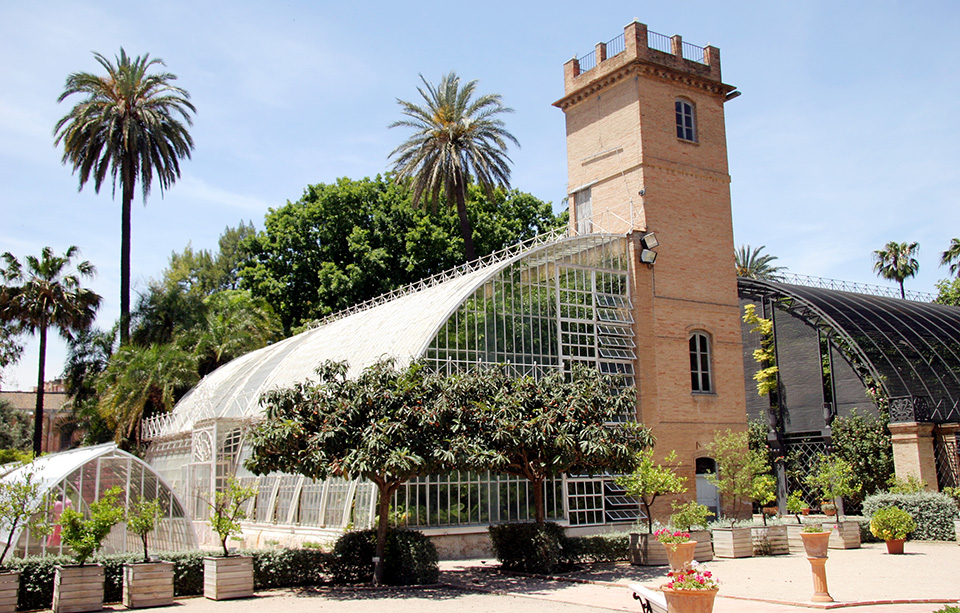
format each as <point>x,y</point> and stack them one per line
<point>640,48</point>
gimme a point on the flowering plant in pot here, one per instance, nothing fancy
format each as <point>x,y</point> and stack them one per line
<point>680,549</point>
<point>691,588</point>
<point>892,525</point>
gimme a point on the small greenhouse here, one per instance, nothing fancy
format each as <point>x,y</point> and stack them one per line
<point>75,478</point>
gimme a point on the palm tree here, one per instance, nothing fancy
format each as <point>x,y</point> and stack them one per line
<point>130,125</point>
<point>896,262</point>
<point>46,294</point>
<point>454,136</point>
<point>140,382</point>
<point>951,256</point>
<point>752,265</point>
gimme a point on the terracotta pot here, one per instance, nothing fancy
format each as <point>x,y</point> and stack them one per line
<point>829,511</point>
<point>689,601</point>
<point>805,510</point>
<point>815,543</point>
<point>680,554</point>
<point>895,546</point>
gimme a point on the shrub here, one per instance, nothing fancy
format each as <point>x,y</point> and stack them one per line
<point>410,558</point>
<point>932,512</point>
<point>288,567</point>
<point>527,547</point>
<point>85,536</point>
<point>609,547</point>
<point>689,515</point>
<point>891,523</point>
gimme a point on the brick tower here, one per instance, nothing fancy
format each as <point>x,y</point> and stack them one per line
<point>646,152</point>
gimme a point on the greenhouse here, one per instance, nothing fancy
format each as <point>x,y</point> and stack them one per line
<point>542,305</point>
<point>74,479</point>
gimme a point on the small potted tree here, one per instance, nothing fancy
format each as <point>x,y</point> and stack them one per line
<point>227,576</point>
<point>893,525</point>
<point>737,467</point>
<point>768,539</point>
<point>648,481</point>
<point>797,506</point>
<point>692,517</point>
<point>21,508</point>
<point>78,588</point>
<point>147,583</point>
<point>834,478</point>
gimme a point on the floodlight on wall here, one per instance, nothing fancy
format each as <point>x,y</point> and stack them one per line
<point>648,257</point>
<point>649,241</point>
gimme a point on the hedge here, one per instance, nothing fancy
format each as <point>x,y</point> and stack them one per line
<point>933,512</point>
<point>410,558</point>
<point>527,547</point>
<point>609,547</point>
<point>272,568</point>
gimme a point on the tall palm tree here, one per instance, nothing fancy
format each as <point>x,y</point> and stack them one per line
<point>47,294</point>
<point>130,124</point>
<point>951,256</point>
<point>752,264</point>
<point>455,136</point>
<point>896,262</point>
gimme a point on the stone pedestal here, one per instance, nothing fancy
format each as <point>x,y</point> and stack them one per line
<point>227,578</point>
<point>913,453</point>
<point>78,589</point>
<point>148,584</point>
<point>9,591</point>
<point>819,568</point>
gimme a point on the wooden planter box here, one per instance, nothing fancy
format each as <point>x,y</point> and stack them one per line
<point>843,535</point>
<point>770,540</point>
<point>226,578</point>
<point>646,550</point>
<point>148,584</point>
<point>704,541</point>
<point>9,591</point>
<point>794,541</point>
<point>77,589</point>
<point>732,543</point>
<point>956,529</point>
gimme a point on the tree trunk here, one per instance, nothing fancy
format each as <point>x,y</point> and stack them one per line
<point>903,294</point>
<point>465,230</point>
<point>386,491</point>
<point>38,413</point>
<point>125,213</point>
<point>539,514</point>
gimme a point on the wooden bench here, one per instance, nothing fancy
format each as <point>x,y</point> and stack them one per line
<point>651,601</point>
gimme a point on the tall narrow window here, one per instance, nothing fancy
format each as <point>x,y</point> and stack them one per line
<point>686,122</point>
<point>700,363</point>
<point>584,211</point>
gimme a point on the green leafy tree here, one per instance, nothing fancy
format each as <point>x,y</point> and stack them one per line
<point>350,241</point>
<point>227,511</point>
<point>897,262</point>
<point>88,354</point>
<point>204,272</point>
<point>85,536</point>
<point>47,293</point>
<point>384,426</point>
<point>689,515</point>
<point>10,346</point>
<point>22,504</point>
<point>738,466</point>
<point>767,377</point>
<point>163,313</point>
<point>864,442</point>
<point>796,504</point>
<point>650,480</point>
<point>456,136</point>
<point>16,432</point>
<point>130,124</point>
<point>834,478</point>
<point>539,428</point>
<point>948,292</point>
<point>140,382</point>
<point>951,257</point>
<point>752,263</point>
<point>763,492</point>
<point>143,516</point>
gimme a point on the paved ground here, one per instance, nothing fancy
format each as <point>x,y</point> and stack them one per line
<point>868,579</point>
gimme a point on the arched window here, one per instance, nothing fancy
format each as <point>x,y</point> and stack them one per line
<point>700,379</point>
<point>686,121</point>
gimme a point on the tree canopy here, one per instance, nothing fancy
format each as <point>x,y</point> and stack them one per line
<point>350,241</point>
<point>897,262</point>
<point>752,263</point>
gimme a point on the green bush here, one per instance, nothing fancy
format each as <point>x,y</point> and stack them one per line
<point>592,549</point>
<point>289,567</point>
<point>527,547</point>
<point>410,558</point>
<point>891,523</point>
<point>932,512</point>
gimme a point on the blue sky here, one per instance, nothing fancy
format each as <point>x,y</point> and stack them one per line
<point>842,140</point>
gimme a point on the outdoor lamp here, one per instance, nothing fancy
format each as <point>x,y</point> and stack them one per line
<point>649,241</point>
<point>648,257</point>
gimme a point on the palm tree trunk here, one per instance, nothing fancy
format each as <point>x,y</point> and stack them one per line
<point>38,414</point>
<point>460,188</point>
<point>128,181</point>
<point>903,294</point>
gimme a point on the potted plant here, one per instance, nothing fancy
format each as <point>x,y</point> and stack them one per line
<point>648,481</point>
<point>228,576</point>
<point>732,539</point>
<point>79,587</point>
<point>893,525</point>
<point>679,547</point>
<point>691,589</point>
<point>797,506</point>
<point>692,517</point>
<point>21,508</point>
<point>816,540</point>
<point>147,583</point>
<point>834,478</point>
